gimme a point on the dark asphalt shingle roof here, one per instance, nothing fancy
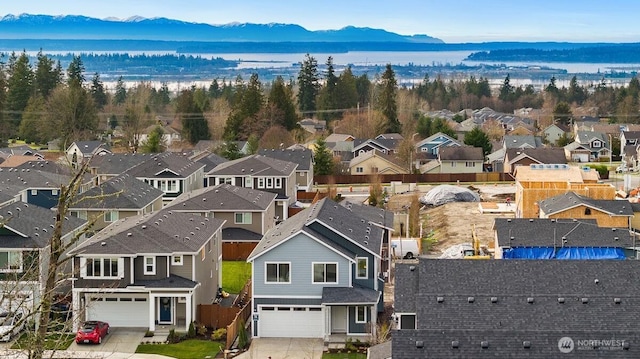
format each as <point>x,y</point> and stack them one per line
<point>254,165</point>
<point>117,163</point>
<point>89,147</point>
<point>519,141</point>
<point>233,234</point>
<point>345,295</point>
<point>372,214</point>
<point>173,282</point>
<point>301,156</point>
<point>540,155</point>
<point>174,162</point>
<point>122,192</point>
<point>569,200</point>
<point>211,161</point>
<point>461,153</point>
<point>224,197</point>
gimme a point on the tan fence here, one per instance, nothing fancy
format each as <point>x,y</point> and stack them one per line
<point>237,324</point>
<point>415,178</point>
<point>237,251</point>
<point>214,316</point>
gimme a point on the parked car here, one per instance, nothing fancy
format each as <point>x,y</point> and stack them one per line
<point>622,168</point>
<point>11,323</point>
<point>406,248</point>
<point>92,332</point>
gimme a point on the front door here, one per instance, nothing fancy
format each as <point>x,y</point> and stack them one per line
<point>338,319</point>
<point>164,309</point>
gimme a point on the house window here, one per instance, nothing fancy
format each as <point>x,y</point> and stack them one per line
<point>587,211</point>
<point>54,192</point>
<point>453,164</point>
<point>149,265</point>
<point>247,182</point>
<point>110,216</point>
<point>243,218</point>
<point>82,215</point>
<point>374,169</point>
<point>34,192</point>
<point>260,182</point>
<point>359,170</point>
<point>102,268</point>
<point>269,182</point>
<point>407,321</point>
<point>277,183</point>
<point>470,164</point>
<point>278,272</point>
<point>325,273</point>
<point>169,186</point>
<point>361,314</point>
<point>597,144</point>
<point>10,262</point>
<point>176,260</point>
<point>209,247</point>
<point>226,180</point>
<point>362,270</point>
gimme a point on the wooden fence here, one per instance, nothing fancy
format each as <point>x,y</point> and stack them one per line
<point>238,324</point>
<point>237,251</point>
<point>415,178</point>
<point>215,316</point>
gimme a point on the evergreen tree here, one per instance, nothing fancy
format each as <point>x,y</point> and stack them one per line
<point>194,125</point>
<point>98,92</point>
<point>386,102</point>
<point>562,113</point>
<point>280,98</point>
<point>214,89</point>
<point>230,150</point>
<point>75,72</point>
<point>308,85</point>
<point>327,99</point>
<point>120,95</point>
<point>346,90</point>
<point>245,111</point>
<point>477,138</point>
<point>47,75</point>
<point>507,91</point>
<point>253,143</point>
<point>155,142</point>
<point>323,161</point>
<point>30,129</point>
<point>19,87</point>
<point>363,87</point>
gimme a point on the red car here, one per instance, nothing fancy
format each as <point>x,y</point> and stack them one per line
<point>92,332</point>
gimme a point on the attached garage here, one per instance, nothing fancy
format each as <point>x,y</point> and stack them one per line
<point>290,322</point>
<point>119,310</point>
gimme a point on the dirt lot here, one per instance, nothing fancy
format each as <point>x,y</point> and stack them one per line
<point>452,222</point>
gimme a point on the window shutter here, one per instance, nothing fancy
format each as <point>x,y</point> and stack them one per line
<point>83,267</point>
<point>120,268</point>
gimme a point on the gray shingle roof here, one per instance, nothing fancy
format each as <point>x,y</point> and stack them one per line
<point>122,192</point>
<point>163,232</point>
<point>372,214</point>
<point>345,295</point>
<point>173,282</point>
<point>571,199</point>
<point>89,147</point>
<point>224,197</point>
<point>211,161</point>
<point>512,300</point>
<point>332,215</point>
<point>240,235</point>
<point>255,165</point>
<point>518,141</point>
<point>34,222</point>
<point>461,153</point>
<point>541,155</point>
<point>171,161</point>
<point>302,156</point>
<point>117,163</point>
<point>559,233</point>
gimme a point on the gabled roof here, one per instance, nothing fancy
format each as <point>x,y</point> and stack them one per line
<point>375,153</point>
<point>432,138</point>
<point>562,127</point>
<point>254,165</point>
<point>211,161</point>
<point>17,160</point>
<point>339,137</point>
<point>32,225</point>
<point>119,193</point>
<point>166,161</point>
<point>390,136</point>
<point>570,200</point>
<point>89,147</point>
<point>462,153</point>
<point>22,150</point>
<point>631,135</point>
<point>14,180</point>
<point>586,138</point>
<point>630,151</point>
<point>163,232</point>
<point>375,215</point>
<point>335,218</point>
<point>117,163</point>
<point>545,232</point>
<point>301,156</point>
<point>515,141</point>
<point>223,197</point>
<point>382,143</point>
<point>553,155</point>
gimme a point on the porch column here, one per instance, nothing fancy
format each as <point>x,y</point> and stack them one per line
<point>374,321</point>
<point>152,312</point>
<point>189,311</point>
<point>75,310</point>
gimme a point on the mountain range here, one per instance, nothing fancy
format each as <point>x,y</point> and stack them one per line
<point>74,27</point>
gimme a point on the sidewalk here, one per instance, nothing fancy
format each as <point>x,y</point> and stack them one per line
<point>18,354</point>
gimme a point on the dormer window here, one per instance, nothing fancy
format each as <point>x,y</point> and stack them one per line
<point>596,144</point>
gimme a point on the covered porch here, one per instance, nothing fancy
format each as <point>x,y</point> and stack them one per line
<point>350,313</point>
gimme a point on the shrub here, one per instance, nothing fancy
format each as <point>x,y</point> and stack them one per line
<point>349,345</point>
<point>192,331</point>
<point>202,330</point>
<point>148,334</point>
<point>219,334</point>
<point>243,340</point>
<point>173,337</point>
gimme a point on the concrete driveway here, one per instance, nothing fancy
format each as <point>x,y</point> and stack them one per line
<point>122,340</point>
<point>281,348</point>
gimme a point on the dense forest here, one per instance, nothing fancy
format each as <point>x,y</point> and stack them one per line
<point>606,54</point>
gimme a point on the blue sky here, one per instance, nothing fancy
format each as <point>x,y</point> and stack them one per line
<point>450,20</point>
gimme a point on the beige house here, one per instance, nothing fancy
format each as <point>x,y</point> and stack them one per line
<point>463,159</point>
<point>373,162</point>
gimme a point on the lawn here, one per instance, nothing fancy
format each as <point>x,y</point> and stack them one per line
<point>188,349</point>
<point>234,275</point>
<point>53,341</point>
<point>344,356</point>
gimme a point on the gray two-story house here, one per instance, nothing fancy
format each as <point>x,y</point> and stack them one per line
<point>303,157</point>
<point>262,173</point>
<point>318,274</point>
<point>147,271</point>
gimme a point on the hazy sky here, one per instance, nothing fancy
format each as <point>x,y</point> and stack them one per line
<point>450,20</point>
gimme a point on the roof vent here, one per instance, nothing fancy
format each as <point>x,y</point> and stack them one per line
<point>144,226</point>
<point>494,299</point>
<point>530,220</point>
<point>585,300</point>
<point>625,345</point>
<point>412,268</point>
<point>530,300</point>
<point>613,229</point>
<point>471,299</point>
<point>440,299</point>
<point>484,344</point>
<point>419,343</point>
<point>103,244</point>
<point>526,344</point>
<point>129,234</point>
<point>617,300</point>
<point>508,219</point>
<point>455,344</point>
<point>561,300</point>
<point>512,238</point>
<point>366,243</point>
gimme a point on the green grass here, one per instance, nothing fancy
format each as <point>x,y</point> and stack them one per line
<point>344,356</point>
<point>234,275</point>
<point>53,341</point>
<point>188,349</point>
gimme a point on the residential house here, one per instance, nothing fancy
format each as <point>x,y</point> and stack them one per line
<point>386,146</point>
<point>170,172</point>
<point>32,184</point>
<point>148,271</point>
<point>527,156</point>
<point>22,150</point>
<point>607,212</point>
<point>111,165</point>
<point>374,162</point>
<point>80,151</point>
<point>340,145</point>
<point>555,131</point>
<point>170,135</point>
<point>515,309</point>
<point>431,144</point>
<point>517,141</point>
<point>262,173</point>
<point>303,157</point>
<point>24,253</point>
<point>120,197</point>
<point>248,214</point>
<point>538,182</point>
<point>629,138</point>
<point>630,156</point>
<point>560,238</point>
<point>318,274</point>
<point>389,136</point>
<point>17,160</point>
<point>312,125</point>
<point>463,159</point>
<point>210,161</point>
<point>588,146</point>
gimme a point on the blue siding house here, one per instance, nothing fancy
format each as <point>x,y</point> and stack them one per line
<point>317,275</point>
<point>433,143</point>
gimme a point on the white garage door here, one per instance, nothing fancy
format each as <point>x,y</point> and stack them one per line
<point>290,322</point>
<point>119,310</point>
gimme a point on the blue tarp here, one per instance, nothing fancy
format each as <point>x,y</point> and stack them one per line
<point>564,253</point>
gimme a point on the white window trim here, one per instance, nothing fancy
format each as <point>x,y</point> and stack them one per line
<point>9,270</point>
<point>245,215</point>
<point>153,263</point>
<point>111,217</point>
<point>277,182</point>
<point>366,276</point>
<point>269,181</point>
<point>364,309</point>
<point>179,262</point>
<point>54,192</point>
<point>325,268</point>
<point>277,282</point>
<point>359,169</point>
<point>34,192</point>
<point>415,317</point>
<point>261,182</point>
<point>83,268</point>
